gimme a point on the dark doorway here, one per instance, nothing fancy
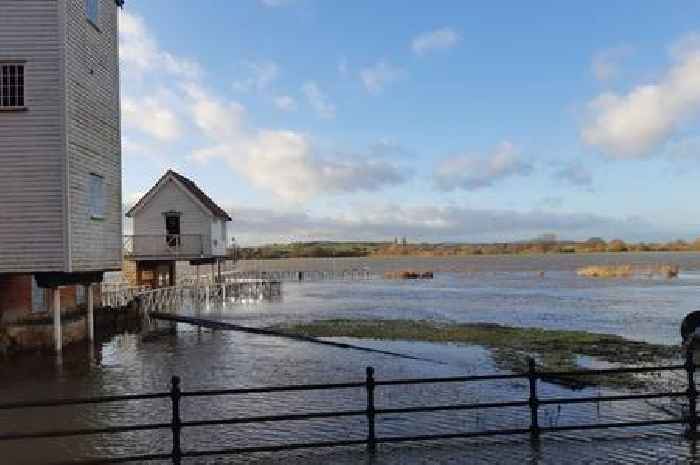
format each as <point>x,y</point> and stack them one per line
<point>172,229</point>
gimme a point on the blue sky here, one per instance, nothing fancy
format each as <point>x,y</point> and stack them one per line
<point>440,121</point>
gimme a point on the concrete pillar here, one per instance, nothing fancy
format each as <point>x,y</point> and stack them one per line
<point>90,313</point>
<point>223,293</point>
<point>57,330</point>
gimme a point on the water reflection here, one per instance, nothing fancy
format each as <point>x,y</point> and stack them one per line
<point>136,362</point>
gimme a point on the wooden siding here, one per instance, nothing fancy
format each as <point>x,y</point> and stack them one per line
<point>194,219</point>
<point>93,134</point>
<point>31,147</point>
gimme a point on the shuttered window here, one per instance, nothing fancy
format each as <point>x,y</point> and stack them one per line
<point>11,85</point>
<point>92,10</point>
<point>97,196</point>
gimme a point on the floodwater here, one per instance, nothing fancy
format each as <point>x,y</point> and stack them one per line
<point>506,290</point>
<point>498,289</point>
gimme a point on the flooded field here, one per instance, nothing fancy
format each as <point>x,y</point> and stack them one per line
<point>498,289</point>
<point>508,290</point>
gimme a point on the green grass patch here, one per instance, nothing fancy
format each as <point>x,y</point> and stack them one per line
<point>555,350</point>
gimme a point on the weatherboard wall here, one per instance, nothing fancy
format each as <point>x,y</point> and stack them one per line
<point>32,226</point>
<point>149,220</point>
<point>93,134</point>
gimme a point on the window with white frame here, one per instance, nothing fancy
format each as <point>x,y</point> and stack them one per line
<point>11,85</point>
<point>97,196</point>
<point>92,10</point>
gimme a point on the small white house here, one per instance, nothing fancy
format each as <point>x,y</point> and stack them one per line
<point>175,221</point>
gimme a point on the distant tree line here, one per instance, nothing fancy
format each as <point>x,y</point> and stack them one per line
<point>592,245</point>
<point>542,245</point>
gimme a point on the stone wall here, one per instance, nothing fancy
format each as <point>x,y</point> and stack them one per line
<point>38,334</point>
<point>22,329</point>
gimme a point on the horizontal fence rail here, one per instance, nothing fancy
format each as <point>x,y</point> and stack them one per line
<point>176,424</point>
<point>349,274</point>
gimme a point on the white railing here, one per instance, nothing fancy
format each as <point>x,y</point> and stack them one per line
<point>167,245</point>
<point>170,299</point>
<point>118,295</point>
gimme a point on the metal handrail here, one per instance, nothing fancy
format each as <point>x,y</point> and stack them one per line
<point>176,424</point>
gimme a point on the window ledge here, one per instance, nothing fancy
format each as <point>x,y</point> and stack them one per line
<point>97,218</point>
<point>23,108</point>
<point>92,23</point>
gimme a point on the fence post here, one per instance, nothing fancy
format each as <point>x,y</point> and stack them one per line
<point>692,394</point>
<point>371,437</point>
<point>533,402</point>
<point>176,422</point>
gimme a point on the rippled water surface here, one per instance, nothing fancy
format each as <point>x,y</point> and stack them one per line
<point>505,290</point>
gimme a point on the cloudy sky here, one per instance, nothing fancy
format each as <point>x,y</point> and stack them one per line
<point>439,121</point>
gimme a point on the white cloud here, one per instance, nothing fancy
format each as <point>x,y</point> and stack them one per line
<point>262,74</point>
<point>438,39</point>
<point>285,103</point>
<point>139,52</point>
<point>318,100</point>
<point>152,116</point>
<point>633,124</point>
<point>606,63</point>
<point>471,172</point>
<point>377,77</point>
<point>285,163</point>
<point>384,221</point>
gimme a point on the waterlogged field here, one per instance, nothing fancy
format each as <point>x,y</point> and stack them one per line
<point>542,291</point>
<point>506,290</point>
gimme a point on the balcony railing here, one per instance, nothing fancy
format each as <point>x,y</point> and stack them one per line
<point>187,246</point>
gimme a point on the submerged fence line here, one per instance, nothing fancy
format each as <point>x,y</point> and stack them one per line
<point>167,298</point>
<point>176,424</point>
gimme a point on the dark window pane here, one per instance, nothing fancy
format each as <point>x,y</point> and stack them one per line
<point>11,85</point>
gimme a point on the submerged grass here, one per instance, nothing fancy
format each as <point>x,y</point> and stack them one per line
<point>628,271</point>
<point>555,350</point>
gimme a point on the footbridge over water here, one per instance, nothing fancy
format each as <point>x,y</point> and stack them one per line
<point>182,304</point>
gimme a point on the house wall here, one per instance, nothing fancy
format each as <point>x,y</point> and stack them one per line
<point>218,237</point>
<point>149,220</point>
<point>93,134</point>
<point>32,235</point>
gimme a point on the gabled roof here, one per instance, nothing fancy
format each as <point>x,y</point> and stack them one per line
<point>191,187</point>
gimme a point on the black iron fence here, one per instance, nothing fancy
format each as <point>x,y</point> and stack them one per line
<point>176,424</point>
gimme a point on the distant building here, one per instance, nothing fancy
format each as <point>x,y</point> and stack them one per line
<point>60,164</point>
<point>174,221</point>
